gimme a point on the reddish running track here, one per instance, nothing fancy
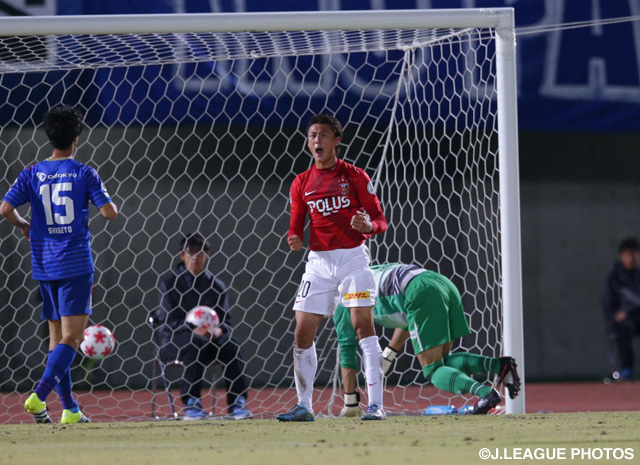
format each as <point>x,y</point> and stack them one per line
<point>265,403</point>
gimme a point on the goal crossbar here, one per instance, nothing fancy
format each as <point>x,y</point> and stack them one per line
<point>269,21</point>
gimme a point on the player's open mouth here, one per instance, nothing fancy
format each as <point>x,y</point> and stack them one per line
<point>319,152</point>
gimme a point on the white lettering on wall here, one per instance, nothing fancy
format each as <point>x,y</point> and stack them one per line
<point>597,78</point>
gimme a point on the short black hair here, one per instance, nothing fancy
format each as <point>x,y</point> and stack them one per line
<point>630,243</point>
<point>62,125</point>
<point>193,241</point>
<point>329,120</point>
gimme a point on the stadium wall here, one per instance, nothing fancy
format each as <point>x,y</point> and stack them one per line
<point>579,194</point>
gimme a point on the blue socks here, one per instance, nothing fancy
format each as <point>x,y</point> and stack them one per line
<point>58,373</point>
<point>64,393</point>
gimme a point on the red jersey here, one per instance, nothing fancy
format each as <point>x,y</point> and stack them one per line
<point>332,197</point>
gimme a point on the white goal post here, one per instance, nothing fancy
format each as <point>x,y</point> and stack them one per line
<point>194,122</point>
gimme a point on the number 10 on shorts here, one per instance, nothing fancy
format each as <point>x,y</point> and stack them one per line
<point>303,291</point>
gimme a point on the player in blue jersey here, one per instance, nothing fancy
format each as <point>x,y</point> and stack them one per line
<point>59,190</point>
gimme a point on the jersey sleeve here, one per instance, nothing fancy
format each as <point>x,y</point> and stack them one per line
<point>18,193</point>
<point>298,210</point>
<point>370,202</point>
<point>347,339</point>
<point>96,188</point>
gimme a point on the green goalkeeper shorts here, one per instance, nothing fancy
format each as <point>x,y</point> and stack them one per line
<point>434,311</point>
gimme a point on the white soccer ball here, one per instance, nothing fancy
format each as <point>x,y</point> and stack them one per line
<point>98,342</point>
<point>203,317</point>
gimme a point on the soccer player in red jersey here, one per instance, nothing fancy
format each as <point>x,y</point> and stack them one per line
<point>344,211</point>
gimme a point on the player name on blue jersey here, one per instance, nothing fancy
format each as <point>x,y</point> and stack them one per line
<point>61,230</point>
<point>59,192</point>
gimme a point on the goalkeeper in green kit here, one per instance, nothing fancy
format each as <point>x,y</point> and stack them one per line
<point>426,307</point>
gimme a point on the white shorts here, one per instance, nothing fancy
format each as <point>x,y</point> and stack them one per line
<point>336,276</point>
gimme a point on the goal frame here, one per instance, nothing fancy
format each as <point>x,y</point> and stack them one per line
<point>499,19</point>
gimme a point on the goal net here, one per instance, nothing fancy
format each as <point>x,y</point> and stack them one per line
<point>204,131</point>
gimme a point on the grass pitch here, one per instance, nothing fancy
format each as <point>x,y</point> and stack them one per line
<point>333,441</point>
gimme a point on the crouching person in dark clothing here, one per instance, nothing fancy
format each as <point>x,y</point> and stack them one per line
<point>190,285</point>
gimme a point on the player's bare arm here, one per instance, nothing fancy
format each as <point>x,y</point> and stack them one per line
<point>109,210</point>
<point>398,339</point>
<point>294,242</point>
<point>13,217</point>
<point>396,344</point>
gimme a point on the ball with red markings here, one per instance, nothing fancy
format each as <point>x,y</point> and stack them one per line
<point>98,342</point>
<point>203,317</point>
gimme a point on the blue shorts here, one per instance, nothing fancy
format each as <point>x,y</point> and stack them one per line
<point>66,297</point>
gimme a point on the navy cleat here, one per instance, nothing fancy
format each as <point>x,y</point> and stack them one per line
<point>297,413</point>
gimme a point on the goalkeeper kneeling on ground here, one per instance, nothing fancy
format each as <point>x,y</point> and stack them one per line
<point>427,307</point>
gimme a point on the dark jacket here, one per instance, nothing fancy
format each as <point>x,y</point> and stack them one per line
<point>621,291</point>
<point>180,291</point>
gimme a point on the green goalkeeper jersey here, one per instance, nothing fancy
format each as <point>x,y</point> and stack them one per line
<point>389,311</point>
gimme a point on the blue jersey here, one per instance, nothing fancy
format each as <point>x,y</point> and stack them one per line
<point>59,193</point>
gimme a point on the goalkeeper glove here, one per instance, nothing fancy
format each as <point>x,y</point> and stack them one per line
<point>388,356</point>
<point>351,405</point>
